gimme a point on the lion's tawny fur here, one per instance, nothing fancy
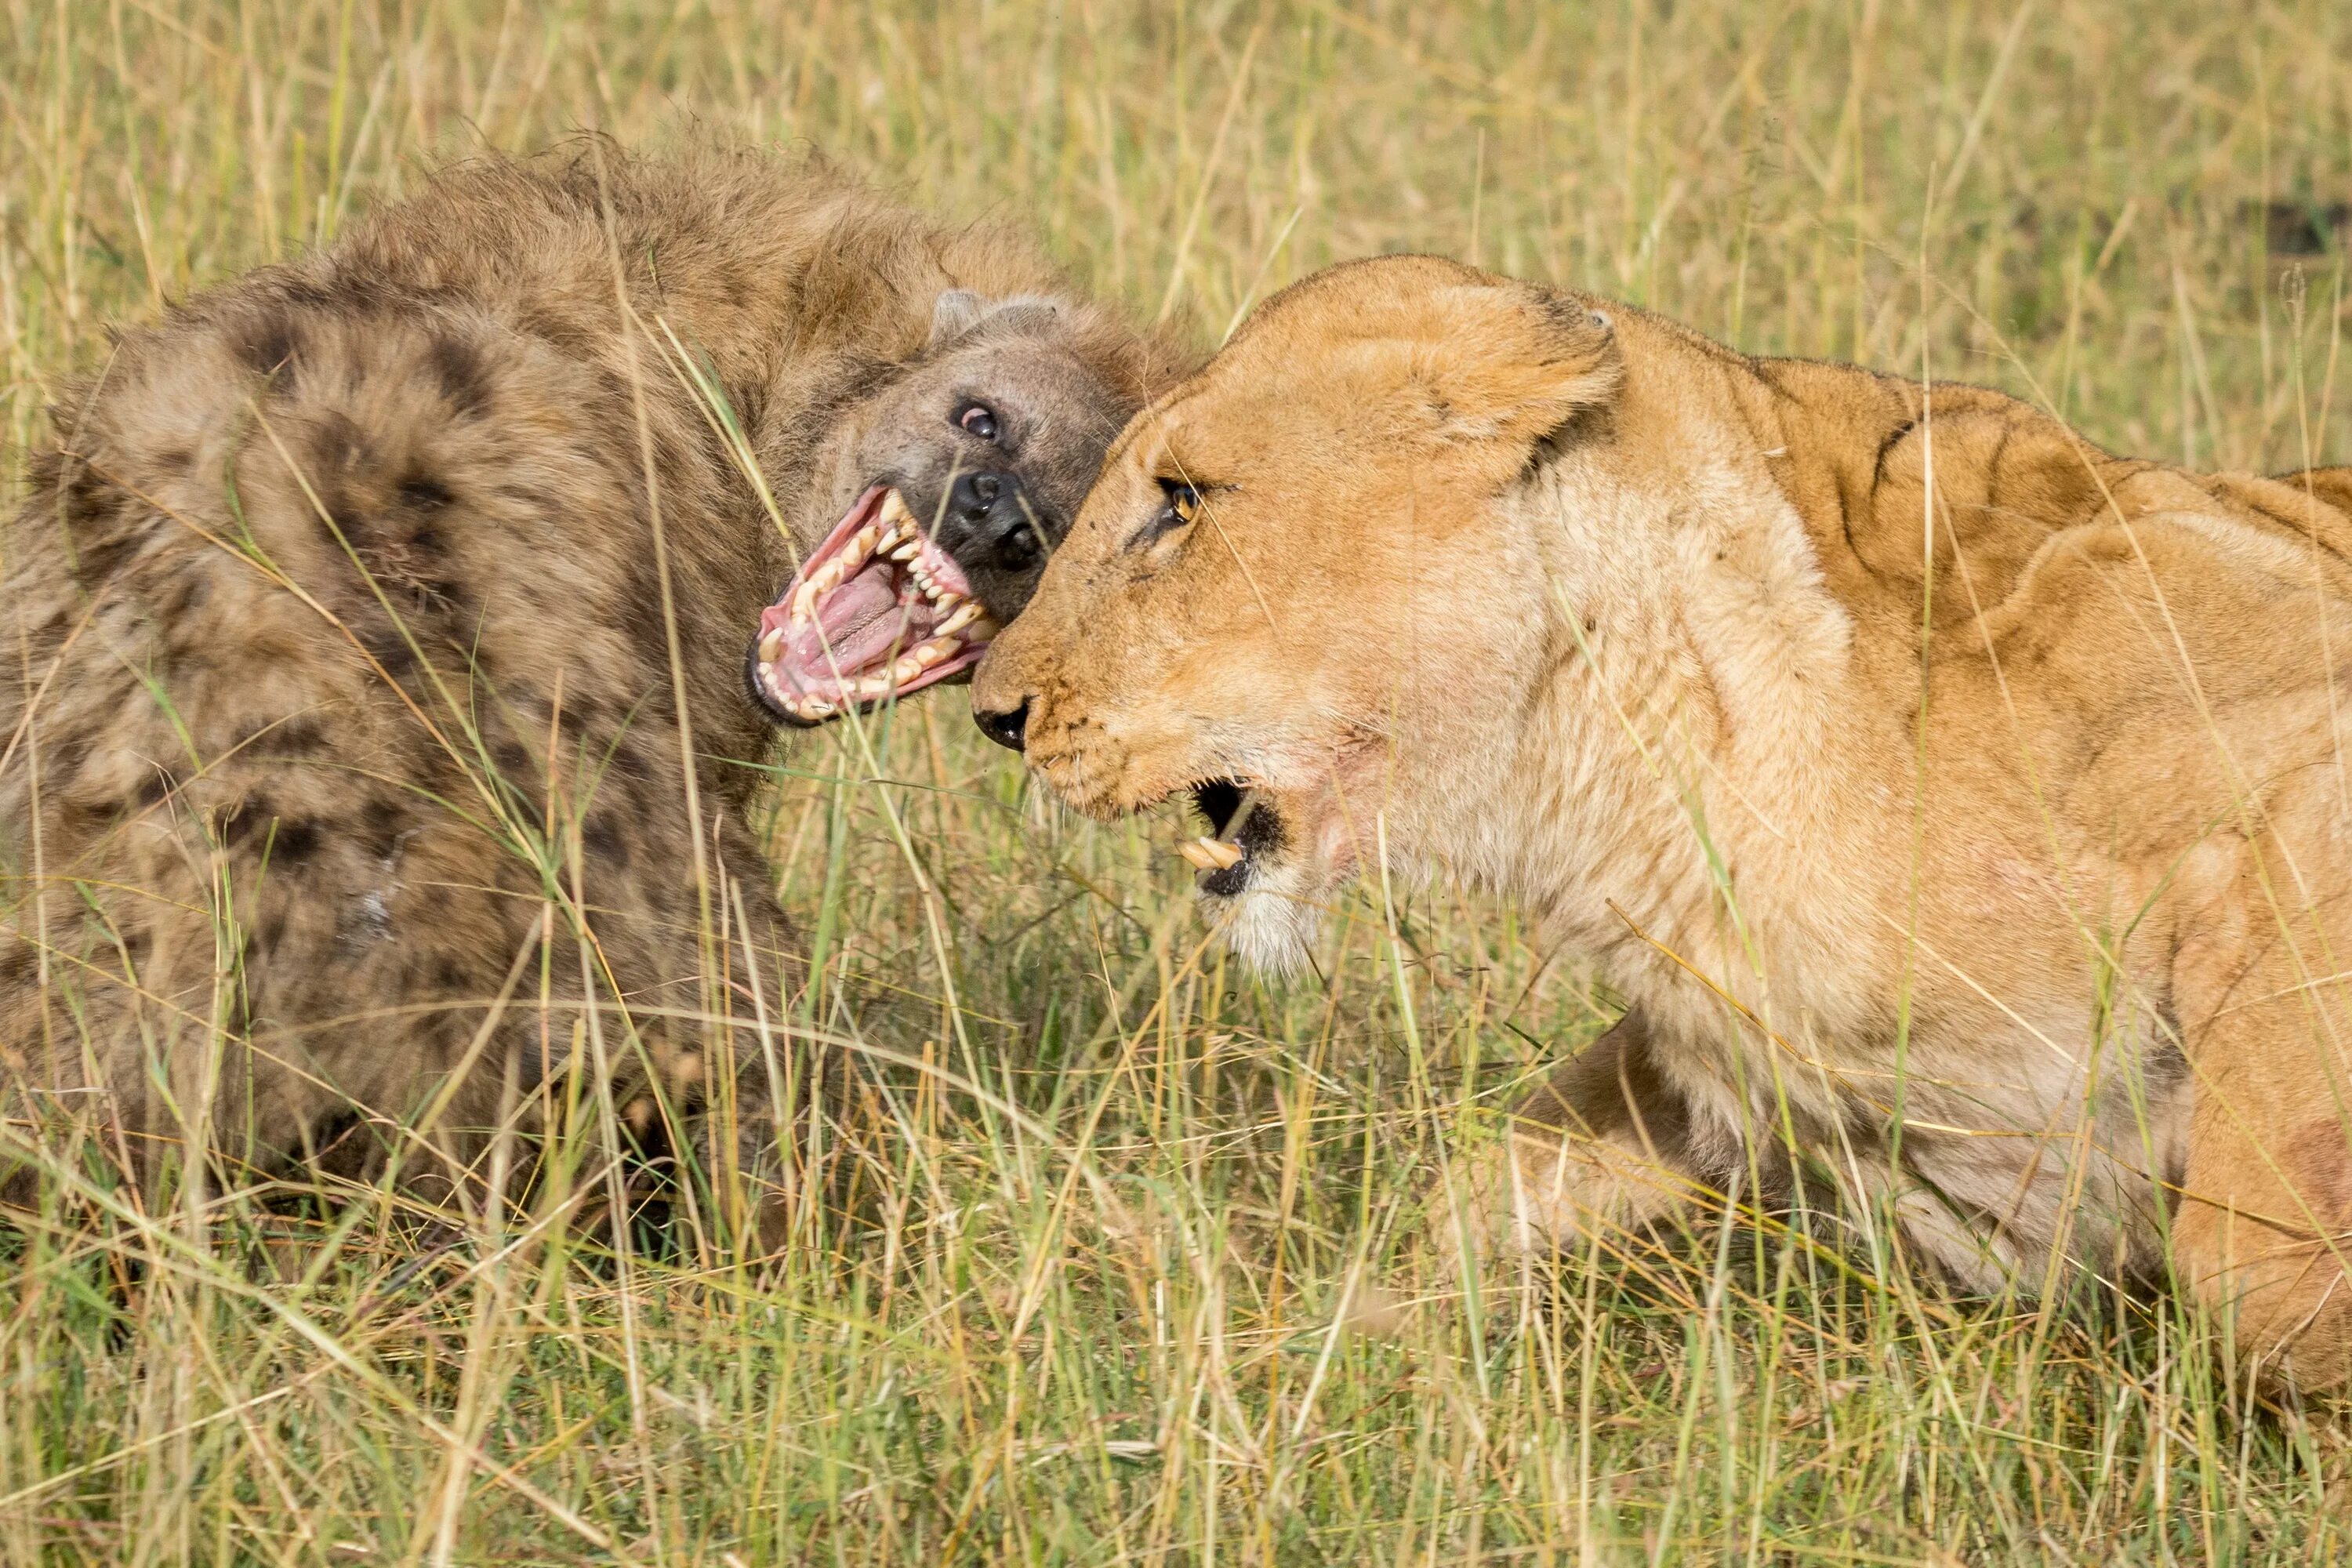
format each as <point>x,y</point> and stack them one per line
<point>1964,810</point>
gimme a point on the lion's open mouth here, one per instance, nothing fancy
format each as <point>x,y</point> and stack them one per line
<point>1245,831</point>
<point>877,610</point>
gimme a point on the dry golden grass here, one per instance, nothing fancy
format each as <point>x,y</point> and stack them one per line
<point>1148,1283</point>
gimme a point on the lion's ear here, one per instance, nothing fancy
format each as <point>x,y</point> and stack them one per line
<point>1509,363</point>
<point>957,312</point>
<point>1472,363</point>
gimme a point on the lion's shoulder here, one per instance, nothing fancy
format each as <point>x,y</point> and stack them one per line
<point>2020,501</point>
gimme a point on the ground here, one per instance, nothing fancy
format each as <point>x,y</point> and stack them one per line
<point>1140,1271</point>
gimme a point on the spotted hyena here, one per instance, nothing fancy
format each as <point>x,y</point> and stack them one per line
<point>374,637</point>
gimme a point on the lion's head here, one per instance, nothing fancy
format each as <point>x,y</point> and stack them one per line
<point>1287,592</point>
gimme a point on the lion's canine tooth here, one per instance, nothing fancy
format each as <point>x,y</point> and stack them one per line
<point>1196,851</point>
<point>1222,854</point>
<point>772,645</point>
<point>894,509</point>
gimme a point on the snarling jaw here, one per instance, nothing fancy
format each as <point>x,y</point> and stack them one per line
<point>877,611</point>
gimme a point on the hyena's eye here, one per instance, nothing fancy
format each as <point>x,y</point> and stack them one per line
<point>980,419</point>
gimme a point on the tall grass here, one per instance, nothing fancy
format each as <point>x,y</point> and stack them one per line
<point>1146,1278</point>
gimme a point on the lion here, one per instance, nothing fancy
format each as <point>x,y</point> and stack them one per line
<point>374,716</point>
<point>1962,809</point>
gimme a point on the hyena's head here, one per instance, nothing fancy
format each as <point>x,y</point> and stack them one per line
<point>951,484</point>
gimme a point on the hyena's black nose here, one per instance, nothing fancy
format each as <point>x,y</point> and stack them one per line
<point>1004,728</point>
<point>990,522</point>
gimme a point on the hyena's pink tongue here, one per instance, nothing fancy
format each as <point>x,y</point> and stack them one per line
<point>854,625</point>
<point>878,609</point>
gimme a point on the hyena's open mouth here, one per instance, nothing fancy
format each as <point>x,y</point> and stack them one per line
<point>877,610</point>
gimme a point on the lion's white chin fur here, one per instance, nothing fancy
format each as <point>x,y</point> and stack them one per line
<point>1272,924</point>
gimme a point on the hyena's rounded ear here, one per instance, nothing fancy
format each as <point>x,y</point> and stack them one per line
<point>959,311</point>
<point>1507,364</point>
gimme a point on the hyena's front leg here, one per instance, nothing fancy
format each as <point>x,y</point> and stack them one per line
<point>1603,1146</point>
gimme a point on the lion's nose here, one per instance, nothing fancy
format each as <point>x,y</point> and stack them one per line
<point>1004,728</point>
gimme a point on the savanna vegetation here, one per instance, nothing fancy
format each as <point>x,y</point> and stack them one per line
<point>1139,1266</point>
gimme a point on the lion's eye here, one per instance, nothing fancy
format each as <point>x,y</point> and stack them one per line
<point>1183,505</point>
<point>980,419</point>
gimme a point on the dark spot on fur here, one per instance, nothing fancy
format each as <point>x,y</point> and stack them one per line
<point>269,343</point>
<point>67,756</point>
<point>425,494</point>
<point>156,786</point>
<point>448,975</point>
<point>510,756</point>
<point>238,821</point>
<point>189,592</point>
<point>601,836</point>
<point>389,648</point>
<point>463,380</point>
<point>380,820</point>
<point>175,459</point>
<point>295,843</point>
<point>340,444</point>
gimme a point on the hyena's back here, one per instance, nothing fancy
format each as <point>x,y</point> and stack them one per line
<point>325,573</point>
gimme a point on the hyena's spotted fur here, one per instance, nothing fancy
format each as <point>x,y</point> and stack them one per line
<point>342,745</point>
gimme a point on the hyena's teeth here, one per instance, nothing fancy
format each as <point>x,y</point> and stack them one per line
<point>964,615</point>
<point>908,666</point>
<point>939,650</point>
<point>861,545</point>
<point>894,513</point>
<point>908,551</point>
